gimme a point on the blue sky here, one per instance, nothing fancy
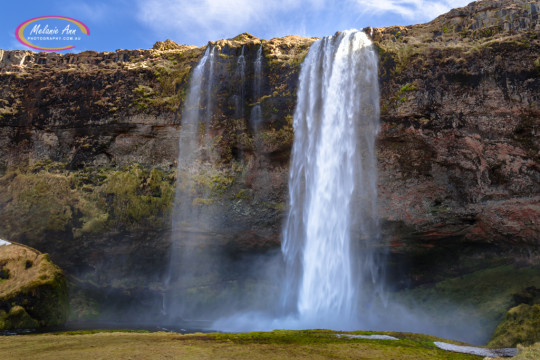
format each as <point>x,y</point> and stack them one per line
<point>134,24</point>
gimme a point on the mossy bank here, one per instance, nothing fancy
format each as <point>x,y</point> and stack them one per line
<point>33,291</point>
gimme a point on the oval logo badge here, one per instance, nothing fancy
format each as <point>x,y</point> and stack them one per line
<point>51,33</point>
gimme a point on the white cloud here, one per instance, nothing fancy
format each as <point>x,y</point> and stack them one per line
<point>211,18</point>
<point>417,10</point>
<point>198,21</point>
<point>14,44</point>
<point>216,19</point>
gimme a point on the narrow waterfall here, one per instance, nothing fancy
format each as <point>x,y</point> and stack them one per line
<point>241,76</point>
<point>256,113</point>
<point>332,228</point>
<point>186,217</point>
<point>210,82</point>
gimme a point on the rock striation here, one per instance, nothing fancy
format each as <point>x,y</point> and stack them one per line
<point>460,116</point>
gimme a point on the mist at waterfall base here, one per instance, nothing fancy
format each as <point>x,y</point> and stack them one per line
<point>331,269</point>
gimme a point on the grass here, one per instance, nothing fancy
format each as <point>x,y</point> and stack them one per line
<point>279,344</point>
<point>528,353</point>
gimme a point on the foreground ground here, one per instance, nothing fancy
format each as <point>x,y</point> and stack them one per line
<point>309,344</point>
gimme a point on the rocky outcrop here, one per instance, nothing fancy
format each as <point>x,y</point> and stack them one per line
<point>521,323</point>
<point>90,145</point>
<point>520,327</point>
<point>459,145</point>
<point>33,291</point>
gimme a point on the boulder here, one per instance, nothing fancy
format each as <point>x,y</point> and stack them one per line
<point>33,291</point>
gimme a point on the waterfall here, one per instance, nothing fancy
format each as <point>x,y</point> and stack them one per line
<point>256,113</point>
<point>257,80</point>
<point>186,217</point>
<point>241,76</point>
<point>210,82</point>
<point>331,227</point>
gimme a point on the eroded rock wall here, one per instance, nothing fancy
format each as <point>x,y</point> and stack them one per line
<point>90,145</point>
<point>459,143</point>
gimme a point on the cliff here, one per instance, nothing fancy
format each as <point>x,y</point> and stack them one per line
<point>90,142</point>
<point>460,117</point>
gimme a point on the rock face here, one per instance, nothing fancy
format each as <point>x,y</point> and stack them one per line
<point>459,145</point>
<point>33,291</point>
<point>91,146</point>
<point>90,143</point>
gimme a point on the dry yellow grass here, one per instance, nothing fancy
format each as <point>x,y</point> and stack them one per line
<point>25,266</point>
<point>33,291</point>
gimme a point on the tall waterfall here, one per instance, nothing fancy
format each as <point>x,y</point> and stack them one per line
<point>241,75</point>
<point>198,106</point>
<point>256,113</point>
<point>257,80</point>
<point>331,228</point>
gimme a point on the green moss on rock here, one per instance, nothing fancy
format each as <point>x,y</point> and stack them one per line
<point>35,293</point>
<point>17,318</point>
<point>47,199</point>
<point>137,196</point>
<point>521,326</point>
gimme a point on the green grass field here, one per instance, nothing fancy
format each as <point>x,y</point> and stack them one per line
<point>279,344</point>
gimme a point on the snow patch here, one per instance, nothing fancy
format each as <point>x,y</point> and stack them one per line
<point>504,352</point>
<point>4,242</point>
<point>372,337</point>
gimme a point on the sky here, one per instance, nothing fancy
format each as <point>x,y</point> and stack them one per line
<point>138,24</point>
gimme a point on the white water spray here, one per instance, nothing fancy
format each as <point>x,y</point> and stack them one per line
<point>198,106</point>
<point>256,112</point>
<point>333,273</point>
<point>241,76</point>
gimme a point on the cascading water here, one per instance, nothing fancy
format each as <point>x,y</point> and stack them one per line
<point>256,113</point>
<point>331,227</point>
<point>331,235</point>
<point>198,106</point>
<point>241,75</point>
<point>257,80</point>
<point>210,82</point>
<point>331,243</point>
